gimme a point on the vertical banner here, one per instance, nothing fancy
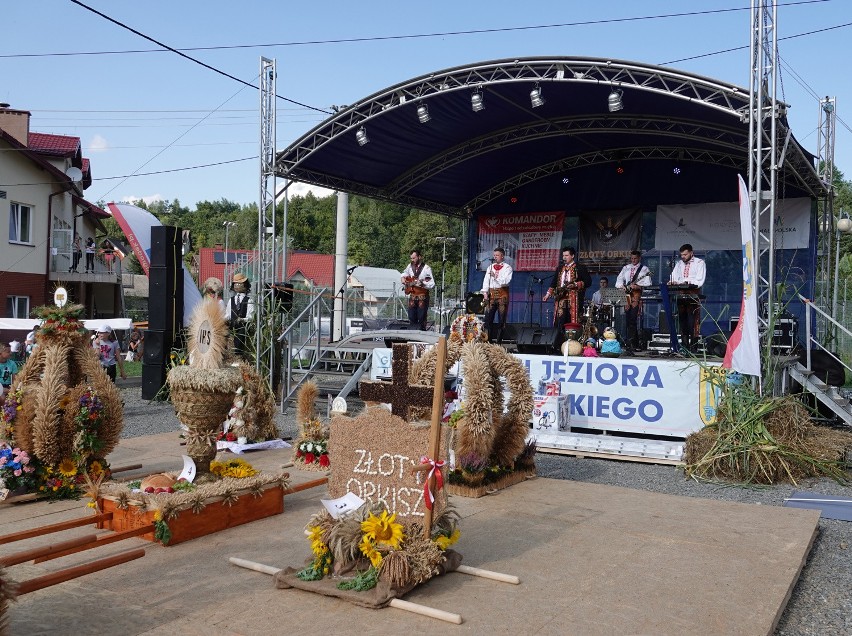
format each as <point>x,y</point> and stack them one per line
<point>607,238</point>
<point>531,241</point>
<point>743,352</point>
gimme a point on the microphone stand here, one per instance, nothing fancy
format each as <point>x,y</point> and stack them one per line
<point>340,291</point>
<point>540,281</point>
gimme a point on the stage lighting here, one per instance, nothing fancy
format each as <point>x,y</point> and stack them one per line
<point>513,199</point>
<point>676,170</point>
<point>477,101</point>
<point>614,101</point>
<point>619,170</point>
<point>535,97</point>
<point>423,113</point>
<point>361,136</point>
<point>566,180</point>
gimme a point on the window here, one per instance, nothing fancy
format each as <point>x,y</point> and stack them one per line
<point>20,223</point>
<point>17,306</point>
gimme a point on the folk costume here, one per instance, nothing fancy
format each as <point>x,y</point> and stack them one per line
<point>495,288</point>
<point>691,273</point>
<point>239,311</point>
<point>418,280</point>
<point>568,289</point>
<point>630,279</point>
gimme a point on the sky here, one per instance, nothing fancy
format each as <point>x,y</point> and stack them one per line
<point>157,112</point>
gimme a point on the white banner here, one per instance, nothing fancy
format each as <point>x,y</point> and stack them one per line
<point>655,397</point>
<point>716,226</point>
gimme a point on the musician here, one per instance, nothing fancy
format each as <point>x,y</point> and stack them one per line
<point>689,272</point>
<point>632,278</point>
<point>418,280</point>
<point>568,289</point>
<point>597,297</point>
<point>495,289</point>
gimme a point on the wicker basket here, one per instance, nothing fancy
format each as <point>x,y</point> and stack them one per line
<point>197,409</point>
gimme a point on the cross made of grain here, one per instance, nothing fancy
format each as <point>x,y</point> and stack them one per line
<point>398,393</point>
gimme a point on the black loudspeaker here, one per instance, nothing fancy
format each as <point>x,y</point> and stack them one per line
<point>283,295</point>
<point>537,340</point>
<point>157,346</point>
<point>512,329</point>
<point>166,245</point>
<point>161,298</point>
<point>153,379</point>
<point>663,323</point>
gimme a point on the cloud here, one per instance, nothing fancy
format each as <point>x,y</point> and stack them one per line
<point>148,199</point>
<point>301,189</point>
<point>98,144</point>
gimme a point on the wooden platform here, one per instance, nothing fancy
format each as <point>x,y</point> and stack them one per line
<point>511,479</point>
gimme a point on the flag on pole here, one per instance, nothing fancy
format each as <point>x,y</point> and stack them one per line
<point>136,223</point>
<point>743,352</point>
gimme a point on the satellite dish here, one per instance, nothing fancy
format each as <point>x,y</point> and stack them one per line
<point>75,174</point>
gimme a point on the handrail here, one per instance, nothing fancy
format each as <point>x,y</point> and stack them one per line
<point>300,317</point>
<point>808,303</point>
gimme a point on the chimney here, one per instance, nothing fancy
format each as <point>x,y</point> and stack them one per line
<point>15,123</point>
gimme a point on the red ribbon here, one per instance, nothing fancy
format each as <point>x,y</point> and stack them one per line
<point>439,480</point>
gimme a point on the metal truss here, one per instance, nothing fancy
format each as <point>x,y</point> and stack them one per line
<point>266,266</point>
<point>728,159</point>
<point>826,229</point>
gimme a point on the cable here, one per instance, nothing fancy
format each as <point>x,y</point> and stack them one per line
<point>192,59</point>
<point>135,174</point>
<point>394,37</point>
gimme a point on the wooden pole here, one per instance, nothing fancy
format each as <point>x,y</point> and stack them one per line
<point>488,574</point>
<point>408,606</point>
<point>102,539</point>
<point>29,555</point>
<point>61,576</point>
<point>55,527</point>
<point>435,431</point>
<point>306,485</point>
<point>123,469</point>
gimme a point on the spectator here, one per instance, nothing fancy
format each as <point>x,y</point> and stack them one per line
<point>109,352</point>
<point>30,344</point>
<point>134,347</point>
<point>90,255</point>
<point>107,254</point>
<point>15,347</point>
<point>8,367</point>
<point>77,253</point>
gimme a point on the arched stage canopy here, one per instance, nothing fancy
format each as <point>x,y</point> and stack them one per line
<point>563,154</point>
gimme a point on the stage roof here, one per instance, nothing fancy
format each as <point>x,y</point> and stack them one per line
<point>680,138</point>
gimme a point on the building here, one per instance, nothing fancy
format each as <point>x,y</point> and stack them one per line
<point>42,208</point>
<point>306,268</point>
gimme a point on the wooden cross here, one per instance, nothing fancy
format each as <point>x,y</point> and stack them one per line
<point>399,393</point>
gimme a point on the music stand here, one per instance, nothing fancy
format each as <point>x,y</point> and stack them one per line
<point>613,296</point>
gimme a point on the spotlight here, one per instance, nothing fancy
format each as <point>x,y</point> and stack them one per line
<point>619,170</point>
<point>423,113</point>
<point>513,199</point>
<point>676,170</point>
<point>566,180</point>
<point>535,97</point>
<point>477,101</point>
<point>361,136</point>
<point>615,103</point>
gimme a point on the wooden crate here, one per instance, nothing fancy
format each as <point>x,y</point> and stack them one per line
<point>216,515</point>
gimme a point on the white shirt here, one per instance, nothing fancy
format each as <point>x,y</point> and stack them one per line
<point>425,276</point>
<point>696,275</point>
<point>238,298</point>
<point>497,277</point>
<point>597,300</point>
<point>643,278</point>
<point>15,346</point>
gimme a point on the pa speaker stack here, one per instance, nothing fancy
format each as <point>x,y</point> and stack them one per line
<point>542,341</point>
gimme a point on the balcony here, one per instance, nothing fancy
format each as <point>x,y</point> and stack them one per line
<point>60,263</point>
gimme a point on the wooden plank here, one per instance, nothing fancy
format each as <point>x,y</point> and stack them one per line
<point>306,486</point>
<point>622,458</point>
<point>29,555</point>
<point>55,527</point>
<point>102,539</point>
<point>61,576</point>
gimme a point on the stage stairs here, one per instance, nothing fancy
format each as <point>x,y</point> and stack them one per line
<point>827,395</point>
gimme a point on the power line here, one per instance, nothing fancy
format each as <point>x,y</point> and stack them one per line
<point>192,59</point>
<point>135,174</point>
<point>382,38</point>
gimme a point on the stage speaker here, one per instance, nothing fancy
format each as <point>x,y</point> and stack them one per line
<point>153,379</point>
<point>162,303</point>
<point>157,346</point>
<point>512,329</point>
<point>663,323</point>
<point>166,244</point>
<point>537,340</point>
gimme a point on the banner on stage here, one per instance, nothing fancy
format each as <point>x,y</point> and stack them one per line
<point>656,397</point>
<point>606,239</point>
<point>716,226</point>
<point>531,240</point>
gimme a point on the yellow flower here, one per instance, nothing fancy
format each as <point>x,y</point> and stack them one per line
<point>67,467</point>
<point>314,534</point>
<point>158,515</point>
<point>91,504</point>
<point>383,529</point>
<point>96,468</point>
<point>445,542</point>
<point>369,551</point>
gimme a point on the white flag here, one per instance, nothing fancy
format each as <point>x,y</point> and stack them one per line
<point>743,352</point>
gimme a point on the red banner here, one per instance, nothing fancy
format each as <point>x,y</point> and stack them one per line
<point>531,240</point>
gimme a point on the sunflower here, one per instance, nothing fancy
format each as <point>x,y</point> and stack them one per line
<point>369,551</point>
<point>445,542</point>
<point>67,467</point>
<point>383,529</point>
<point>96,468</point>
